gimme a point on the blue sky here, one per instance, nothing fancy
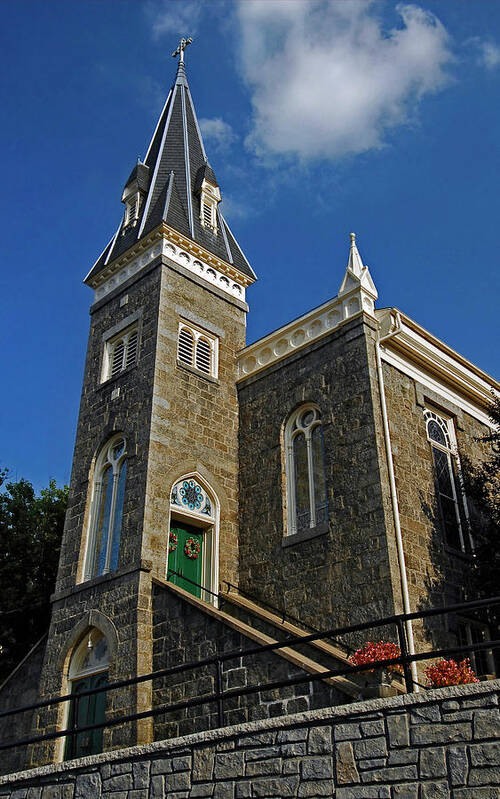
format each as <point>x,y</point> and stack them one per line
<point>319,118</point>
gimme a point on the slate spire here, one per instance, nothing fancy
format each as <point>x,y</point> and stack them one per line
<point>169,186</point>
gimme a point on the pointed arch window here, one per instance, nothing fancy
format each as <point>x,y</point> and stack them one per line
<point>449,492</point>
<point>88,669</point>
<point>106,513</point>
<point>305,470</point>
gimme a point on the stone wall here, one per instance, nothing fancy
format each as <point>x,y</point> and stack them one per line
<point>343,573</point>
<point>194,424</point>
<point>18,690</point>
<point>437,574</point>
<point>443,744</point>
<point>182,634</point>
<point>121,600</point>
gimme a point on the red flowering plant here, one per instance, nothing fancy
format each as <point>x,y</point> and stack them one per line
<point>449,672</point>
<point>373,652</point>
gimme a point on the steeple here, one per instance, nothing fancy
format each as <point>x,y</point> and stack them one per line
<point>356,274</point>
<point>175,185</point>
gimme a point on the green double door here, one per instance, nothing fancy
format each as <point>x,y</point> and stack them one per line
<point>185,557</point>
<point>84,711</point>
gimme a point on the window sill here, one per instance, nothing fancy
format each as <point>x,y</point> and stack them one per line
<point>305,535</point>
<point>110,380</point>
<point>198,373</point>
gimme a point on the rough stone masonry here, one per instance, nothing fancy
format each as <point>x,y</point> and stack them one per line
<point>433,745</point>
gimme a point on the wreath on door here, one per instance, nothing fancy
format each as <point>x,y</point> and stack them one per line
<point>172,542</point>
<point>192,548</point>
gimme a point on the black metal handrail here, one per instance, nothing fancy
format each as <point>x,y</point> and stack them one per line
<point>405,659</point>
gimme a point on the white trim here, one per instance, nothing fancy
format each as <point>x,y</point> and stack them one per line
<point>197,264</point>
<point>297,334</point>
<point>158,124</point>
<point>103,459</point>
<point>198,334</point>
<point>157,165</point>
<point>290,435</point>
<point>205,522</point>
<point>450,449</point>
<point>404,365</point>
<point>186,161</point>
<point>196,122</point>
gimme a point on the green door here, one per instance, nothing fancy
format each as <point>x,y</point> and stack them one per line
<point>89,710</point>
<point>185,557</point>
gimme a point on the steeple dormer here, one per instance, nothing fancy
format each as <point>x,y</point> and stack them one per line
<point>173,192</point>
<point>134,194</point>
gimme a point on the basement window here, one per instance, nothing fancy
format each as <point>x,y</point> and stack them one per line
<point>198,349</point>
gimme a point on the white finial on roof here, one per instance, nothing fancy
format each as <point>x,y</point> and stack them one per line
<point>180,49</point>
<point>357,275</point>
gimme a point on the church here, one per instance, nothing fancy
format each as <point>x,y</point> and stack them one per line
<point>224,495</point>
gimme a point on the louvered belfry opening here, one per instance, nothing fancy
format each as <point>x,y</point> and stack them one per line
<point>203,355</point>
<point>123,352</point>
<point>186,346</point>
<point>197,349</point>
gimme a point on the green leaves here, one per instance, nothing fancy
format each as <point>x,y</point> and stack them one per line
<point>30,538</point>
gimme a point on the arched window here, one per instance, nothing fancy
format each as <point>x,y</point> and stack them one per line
<point>305,470</point>
<point>449,494</point>
<point>107,509</point>
<point>88,669</point>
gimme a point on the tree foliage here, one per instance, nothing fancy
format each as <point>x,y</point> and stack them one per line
<point>30,539</point>
<point>482,487</point>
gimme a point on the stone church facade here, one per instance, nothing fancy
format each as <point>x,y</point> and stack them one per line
<point>316,470</point>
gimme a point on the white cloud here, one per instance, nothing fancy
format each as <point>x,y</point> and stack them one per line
<point>327,79</point>
<point>178,17</point>
<point>488,53</point>
<point>217,132</point>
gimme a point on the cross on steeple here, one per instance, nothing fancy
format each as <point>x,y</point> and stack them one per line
<point>180,49</point>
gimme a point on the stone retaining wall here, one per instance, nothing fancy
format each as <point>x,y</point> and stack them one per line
<point>432,745</point>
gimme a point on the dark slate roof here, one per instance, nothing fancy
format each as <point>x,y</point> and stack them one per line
<point>169,181</point>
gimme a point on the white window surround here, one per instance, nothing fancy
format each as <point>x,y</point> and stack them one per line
<point>304,421</point>
<point>90,656</point>
<point>106,509</point>
<point>206,516</point>
<point>198,349</point>
<point>441,437</point>
<point>120,351</point>
<point>132,206</point>
<point>209,199</point>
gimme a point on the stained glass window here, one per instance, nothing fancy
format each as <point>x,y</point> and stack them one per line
<point>305,470</point>
<point>107,509</point>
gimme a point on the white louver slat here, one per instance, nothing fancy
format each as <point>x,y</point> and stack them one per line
<point>185,346</point>
<point>203,356</point>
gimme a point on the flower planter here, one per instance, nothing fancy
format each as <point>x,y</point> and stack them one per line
<point>377,684</point>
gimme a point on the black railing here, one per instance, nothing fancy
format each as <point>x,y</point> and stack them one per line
<point>220,695</point>
<point>224,596</point>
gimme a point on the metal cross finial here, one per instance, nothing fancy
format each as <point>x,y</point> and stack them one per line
<point>182,46</point>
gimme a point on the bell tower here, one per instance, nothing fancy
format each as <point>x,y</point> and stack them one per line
<point>154,484</point>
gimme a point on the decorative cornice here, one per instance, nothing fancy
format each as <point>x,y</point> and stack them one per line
<point>183,251</point>
<point>435,358</point>
<point>302,331</point>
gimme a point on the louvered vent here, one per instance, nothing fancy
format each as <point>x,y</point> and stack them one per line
<point>203,356</point>
<point>207,214</point>
<point>117,357</point>
<point>131,349</point>
<point>186,346</point>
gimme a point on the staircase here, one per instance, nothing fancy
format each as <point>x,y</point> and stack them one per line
<point>265,625</point>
